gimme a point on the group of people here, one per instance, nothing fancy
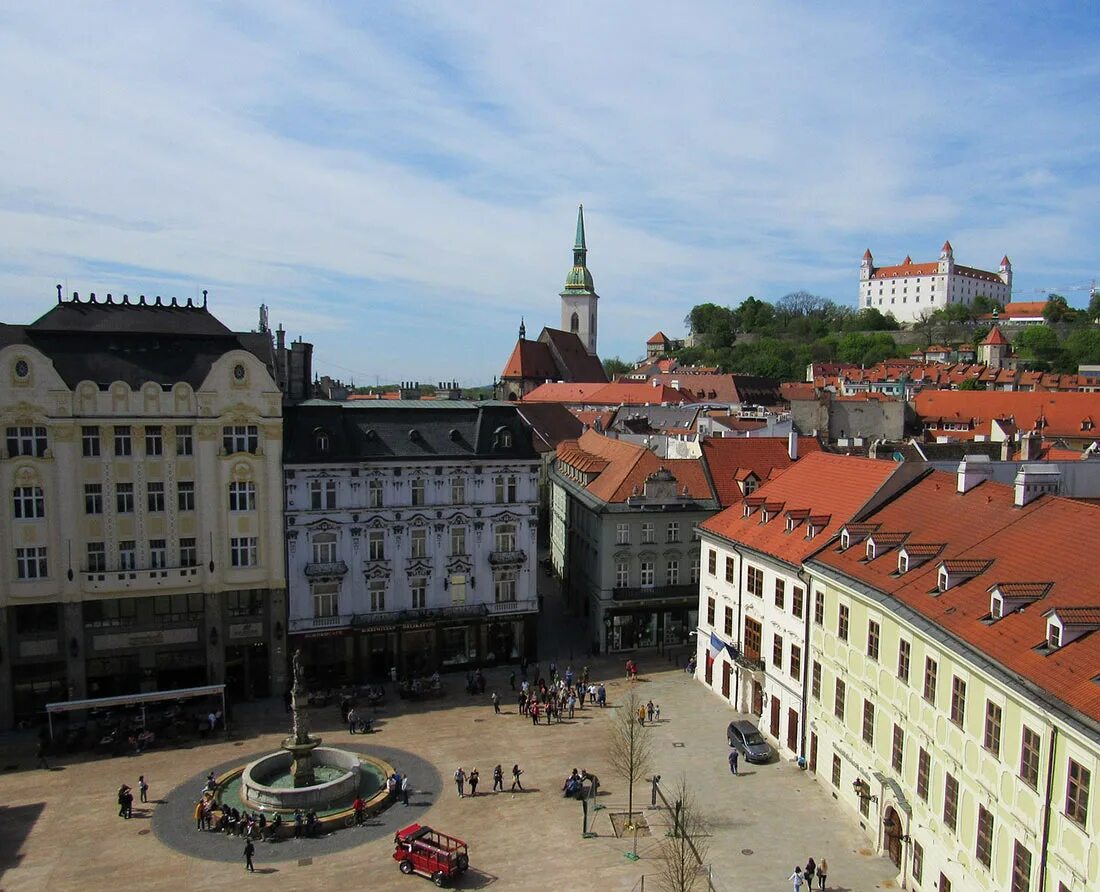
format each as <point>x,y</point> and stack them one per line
<point>397,787</point>
<point>126,797</point>
<point>806,875</point>
<point>557,699</point>
<point>473,778</point>
<point>650,712</point>
<point>574,784</point>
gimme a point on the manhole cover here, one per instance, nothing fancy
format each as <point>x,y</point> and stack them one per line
<point>305,862</point>
<point>678,743</point>
<point>479,720</point>
<point>746,851</point>
<point>142,832</point>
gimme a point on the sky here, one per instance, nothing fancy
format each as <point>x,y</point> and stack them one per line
<point>398,182</point>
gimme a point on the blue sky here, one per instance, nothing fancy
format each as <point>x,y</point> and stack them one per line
<point>399,182</point>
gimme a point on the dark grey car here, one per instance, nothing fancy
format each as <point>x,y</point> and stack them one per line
<point>745,737</point>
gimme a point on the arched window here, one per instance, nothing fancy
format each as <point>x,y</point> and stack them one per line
<point>321,440</point>
<point>574,323</point>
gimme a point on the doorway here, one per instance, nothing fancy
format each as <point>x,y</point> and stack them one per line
<point>813,752</point>
<point>792,730</point>
<point>757,698</point>
<point>775,717</point>
<point>727,673</point>
<point>891,828</point>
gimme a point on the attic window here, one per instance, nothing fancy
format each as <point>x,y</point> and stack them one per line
<point>903,563</point>
<point>321,440</point>
<point>844,540</point>
<point>870,550</point>
<point>748,510</point>
<point>1054,636</point>
<point>811,530</point>
<point>791,524</point>
<point>996,607</point>
<point>943,580</point>
<point>502,438</point>
<point>1086,425</point>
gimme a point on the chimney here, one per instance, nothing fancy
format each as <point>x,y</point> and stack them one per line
<point>973,469</point>
<point>1006,449</point>
<point>792,445</point>
<point>1030,445</point>
<point>1033,481</point>
<point>410,390</point>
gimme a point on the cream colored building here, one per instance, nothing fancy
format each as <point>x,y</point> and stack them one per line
<point>953,702</point>
<point>141,519</point>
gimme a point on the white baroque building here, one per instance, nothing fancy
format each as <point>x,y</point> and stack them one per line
<point>411,536</point>
<point>910,289</point>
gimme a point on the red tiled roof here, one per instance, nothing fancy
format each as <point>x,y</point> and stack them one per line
<point>1078,616</point>
<point>825,485</point>
<point>1017,309</point>
<point>622,467</point>
<point>1041,540</point>
<point>1062,412</point>
<point>726,456</point>
<point>557,392</point>
<point>589,417</point>
<point>797,390</point>
<point>530,359</point>
<point>905,269</point>
<point>1031,590</point>
<point>658,338</point>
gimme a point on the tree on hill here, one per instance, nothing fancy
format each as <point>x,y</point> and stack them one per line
<point>1057,309</point>
<point>614,366</point>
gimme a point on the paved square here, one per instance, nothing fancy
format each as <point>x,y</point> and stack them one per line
<point>59,830</point>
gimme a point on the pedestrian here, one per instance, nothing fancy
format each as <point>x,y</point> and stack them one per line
<point>200,814</point>
<point>516,772</point>
<point>641,715</point>
<point>808,872</point>
<point>143,788</point>
<point>460,782</point>
<point>572,703</point>
<point>592,694</point>
<point>822,872</point>
<point>122,800</point>
<point>40,753</point>
<point>653,794</point>
<point>657,712</point>
<point>297,823</point>
<point>649,710</point>
<point>129,803</point>
<point>498,779</point>
<point>249,851</point>
<point>601,695</point>
<point>796,878</point>
<point>733,761</point>
<point>474,778</point>
<point>358,806</point>
<point>496,703</point>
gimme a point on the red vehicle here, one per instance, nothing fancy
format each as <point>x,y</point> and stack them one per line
<point>419,849</point>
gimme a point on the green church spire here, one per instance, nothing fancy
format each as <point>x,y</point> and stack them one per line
<point>579,278</point>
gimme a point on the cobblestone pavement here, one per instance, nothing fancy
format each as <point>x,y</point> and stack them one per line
<point>59,829</point>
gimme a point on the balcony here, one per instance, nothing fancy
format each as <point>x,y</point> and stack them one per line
<point>500,608</point>
<point>162,578</point>
<point>328,568</point>
<point>507,558</point>
<point>749,660</point>
<point>421,615</point>
<point>657,592</point>
<point>320,623</point>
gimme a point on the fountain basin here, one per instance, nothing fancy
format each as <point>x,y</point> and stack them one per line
<point>264,782</point>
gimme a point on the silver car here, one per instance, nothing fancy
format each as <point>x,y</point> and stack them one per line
<point>744,737</point>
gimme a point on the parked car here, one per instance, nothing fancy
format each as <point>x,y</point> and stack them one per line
<point>747,739</point>
<point>422,850</point>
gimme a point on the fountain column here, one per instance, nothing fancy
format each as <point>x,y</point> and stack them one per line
<point>300,745</point>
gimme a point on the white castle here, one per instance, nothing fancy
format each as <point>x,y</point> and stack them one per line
<point>909,289</point>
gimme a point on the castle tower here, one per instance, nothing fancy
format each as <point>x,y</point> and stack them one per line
<point>1006,272</point>
<point>578,299</point>
<point>867,266</point>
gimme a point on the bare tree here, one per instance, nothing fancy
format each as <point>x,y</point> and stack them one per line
<point>684,850</point>
<point>629,749</point>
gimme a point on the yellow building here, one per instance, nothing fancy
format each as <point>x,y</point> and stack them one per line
<point>953,696</point>
<point>141,527</point>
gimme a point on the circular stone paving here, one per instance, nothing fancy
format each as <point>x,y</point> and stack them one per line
<point>174,818</point>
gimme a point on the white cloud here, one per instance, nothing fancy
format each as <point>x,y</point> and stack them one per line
<point>399,183</point>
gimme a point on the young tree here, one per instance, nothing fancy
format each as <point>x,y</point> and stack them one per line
<point>684,850</point>
<point>629,749</point>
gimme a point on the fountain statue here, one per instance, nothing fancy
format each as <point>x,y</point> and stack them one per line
<point>300,745</point>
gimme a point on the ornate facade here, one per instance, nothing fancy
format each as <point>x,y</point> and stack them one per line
<point>140,509</point>
<point>411,536</point>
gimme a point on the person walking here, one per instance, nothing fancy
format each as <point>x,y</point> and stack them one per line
<point>474,778</point>
<point>512,679</point>
<point>496,703</point>
<point>498,779</point>
<point>516,772</point>
<point>657,712</point>
<point>249,851</point>
<point>733,761</point>
<point>200,814</point>
<point>822,872</point>
<point>143,788</point>
<point>808,872</point>
<point>40,753</point>
<point>460,782</point>
<point>649,710</point>
<point>601,695</point>
<point>796,878</point>
<point>122,800</point>
<point>405,789</point>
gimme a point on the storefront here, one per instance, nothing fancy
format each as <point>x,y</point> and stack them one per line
<point>659,623</point>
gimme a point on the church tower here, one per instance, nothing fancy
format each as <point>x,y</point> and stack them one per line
<point>578,299</point>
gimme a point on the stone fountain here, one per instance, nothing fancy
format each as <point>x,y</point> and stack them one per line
<point>305,775</point>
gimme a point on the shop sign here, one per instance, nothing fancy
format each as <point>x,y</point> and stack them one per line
<point>155,637</point>
<point>246,630</point>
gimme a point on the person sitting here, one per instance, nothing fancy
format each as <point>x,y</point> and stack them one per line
<point>273,827</point>
<point>311,823</point>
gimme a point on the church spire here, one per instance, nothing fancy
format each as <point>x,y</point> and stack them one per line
<point>522,330</point>
<point>580,252</point>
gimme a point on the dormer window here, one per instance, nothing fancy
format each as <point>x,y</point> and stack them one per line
<point>321,440</point>
<point>943,580</point>
<point>1054,636</point>
<point>791,524</point>
<point>747,510</point>
<point>870,549</point>
<point>502,438</point>
<point>811,531</point>
<point>764,517</point>
<point>749,485</point>
<point>845,541</point>
<point>903,563</point>
<point>996,607</point>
